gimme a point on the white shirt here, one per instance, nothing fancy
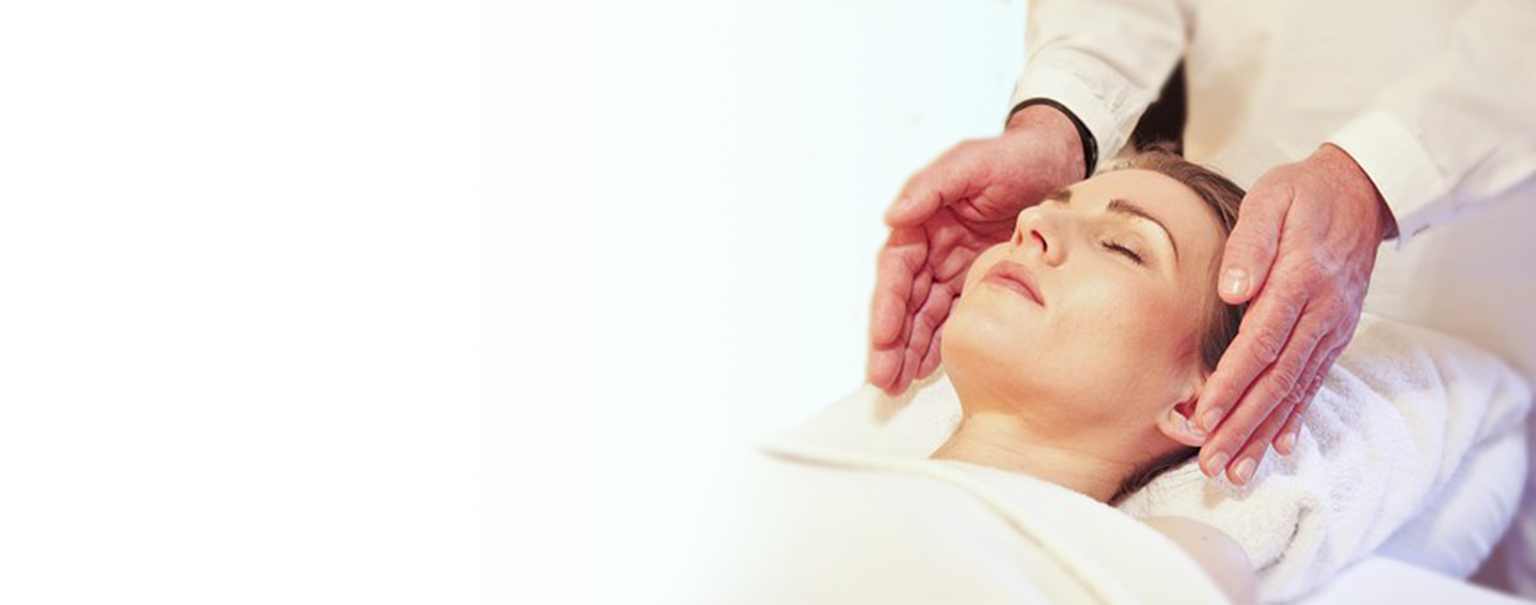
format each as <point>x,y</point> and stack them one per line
<point>1435,100</point>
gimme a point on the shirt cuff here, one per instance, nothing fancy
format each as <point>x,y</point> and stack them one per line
<point>1062,87</point>
<point>1401,170</point>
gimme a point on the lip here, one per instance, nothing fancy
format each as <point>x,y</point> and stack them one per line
<point>1016,277</point>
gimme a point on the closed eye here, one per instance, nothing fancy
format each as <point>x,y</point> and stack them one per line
<point>1119,249</point>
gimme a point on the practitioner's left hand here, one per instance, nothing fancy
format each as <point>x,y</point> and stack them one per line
<point>1302,252</point>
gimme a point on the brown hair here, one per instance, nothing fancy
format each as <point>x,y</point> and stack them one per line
<point>1223,197</point>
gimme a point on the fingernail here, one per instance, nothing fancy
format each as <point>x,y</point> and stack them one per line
<point>1245,470</point>
<point>1212,418</point>
<point>1218,464</point>
<point>898,207</point>
<point>1194,429</point>
<point>1234,282</point>
<point>1287,441</point>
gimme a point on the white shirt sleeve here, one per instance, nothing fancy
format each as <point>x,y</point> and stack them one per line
<point>1458,131</point>
<point>1106,60</point>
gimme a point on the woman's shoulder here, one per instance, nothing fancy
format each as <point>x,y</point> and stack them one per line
<point>1221,556</point>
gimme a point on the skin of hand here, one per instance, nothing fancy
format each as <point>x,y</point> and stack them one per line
<point>946,215</point>
<point>1302,254</point>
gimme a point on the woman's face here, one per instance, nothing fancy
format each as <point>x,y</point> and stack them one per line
<point>1098,301</point>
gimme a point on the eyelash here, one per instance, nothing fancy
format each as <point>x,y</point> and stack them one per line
<point>1114,247</point>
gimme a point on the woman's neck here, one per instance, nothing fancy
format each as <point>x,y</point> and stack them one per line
<point>1007,441</point>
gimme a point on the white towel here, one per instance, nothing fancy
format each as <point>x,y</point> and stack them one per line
<point>1396,417</point>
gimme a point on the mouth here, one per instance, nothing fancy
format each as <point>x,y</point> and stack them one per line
<point>1015,277</point>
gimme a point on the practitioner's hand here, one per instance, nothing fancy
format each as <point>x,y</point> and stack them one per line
<point>1302,251</point>
<point>946,215</point>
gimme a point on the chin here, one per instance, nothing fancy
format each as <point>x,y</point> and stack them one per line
<point>978,348</point>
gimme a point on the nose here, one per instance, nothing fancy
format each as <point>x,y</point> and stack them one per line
<point>1038,231</point>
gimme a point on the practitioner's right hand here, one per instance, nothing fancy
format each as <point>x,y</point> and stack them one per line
<point>946,215</point>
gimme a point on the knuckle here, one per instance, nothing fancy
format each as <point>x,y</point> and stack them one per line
<point>1264,404</point>
<point>1340,301</point>
<point>1222,395</point>
<point>1254,245</point>
<point>1273,393</point>
<point>1328,260</point>
<point>1305,274</point>
<point>1289,369</point>
<point>1297,391</point>
<point>1265,348</point>
<point>1315,330</point>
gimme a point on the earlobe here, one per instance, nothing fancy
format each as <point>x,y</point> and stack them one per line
<point>1175,422</point>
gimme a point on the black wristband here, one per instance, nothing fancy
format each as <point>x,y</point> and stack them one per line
<point>1090,145</point>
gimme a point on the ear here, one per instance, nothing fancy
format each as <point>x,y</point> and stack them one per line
<point>1176,421</point>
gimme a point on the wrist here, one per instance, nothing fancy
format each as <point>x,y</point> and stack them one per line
<point>1359,183</point>
<point>1055,129</point>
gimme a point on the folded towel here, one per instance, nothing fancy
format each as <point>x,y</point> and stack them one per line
<point>1395,419</point>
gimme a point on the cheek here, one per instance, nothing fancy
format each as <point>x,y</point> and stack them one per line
<point>1136,324</point>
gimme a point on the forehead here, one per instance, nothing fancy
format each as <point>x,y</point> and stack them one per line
<point>1191,222</point>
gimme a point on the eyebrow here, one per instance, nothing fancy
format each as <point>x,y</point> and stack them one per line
<point>1125,207</point>
<point>1128,208</point>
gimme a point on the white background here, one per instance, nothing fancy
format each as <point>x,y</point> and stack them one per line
<point>438,302</point>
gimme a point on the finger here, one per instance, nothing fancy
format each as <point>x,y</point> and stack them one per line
<point>925,329</point>
<point>1304,383</point>
<point>1286,442</point>
<point>1261,399</point>
<point>900,261</point>
<point>884,364</point>
<point>931,361</point>
<point>884,368</point>
<point>1292,433</point>
<point>1252,453</point>
<point>942,183</point>
<point>904,354</point>
<point>1250,249</point>
<point>1261,338</point>
<point>924,321</point>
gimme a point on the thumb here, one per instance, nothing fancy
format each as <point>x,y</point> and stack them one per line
<point>1251,248</point>
<point>938,185</point>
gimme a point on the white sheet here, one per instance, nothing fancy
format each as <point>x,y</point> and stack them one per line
<point>823,525</point>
